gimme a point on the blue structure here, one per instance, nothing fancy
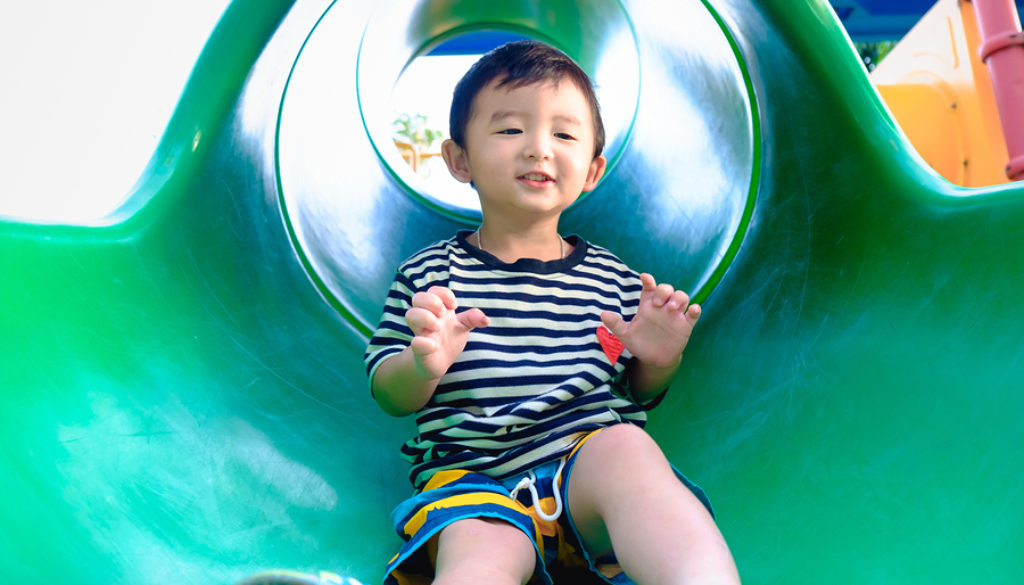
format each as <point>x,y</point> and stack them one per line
<point>883,20</point>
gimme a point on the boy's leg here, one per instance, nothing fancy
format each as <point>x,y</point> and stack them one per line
<point>483,550</point>
<point>624,495</point>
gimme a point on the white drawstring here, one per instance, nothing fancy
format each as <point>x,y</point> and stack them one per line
<point>529,483</point>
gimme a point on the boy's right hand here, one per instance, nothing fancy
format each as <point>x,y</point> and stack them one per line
<point>440,332</point>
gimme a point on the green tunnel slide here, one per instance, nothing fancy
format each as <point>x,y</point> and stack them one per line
<point>183,395</point>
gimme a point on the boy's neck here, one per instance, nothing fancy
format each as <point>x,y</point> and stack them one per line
<point>508,245</point>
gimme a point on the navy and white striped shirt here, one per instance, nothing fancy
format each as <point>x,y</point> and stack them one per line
<point>538,377</point>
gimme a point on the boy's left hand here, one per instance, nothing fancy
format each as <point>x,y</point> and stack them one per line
<point>659,331</point>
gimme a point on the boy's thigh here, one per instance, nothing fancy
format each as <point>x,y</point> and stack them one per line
<point>457,514</point>
<point>486,550</point>
<point>613,470</point>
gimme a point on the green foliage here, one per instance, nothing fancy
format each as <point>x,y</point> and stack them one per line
<point>873,53</point>
<point>413,128</point>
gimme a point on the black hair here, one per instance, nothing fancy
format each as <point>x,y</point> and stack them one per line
<point>518,64</point>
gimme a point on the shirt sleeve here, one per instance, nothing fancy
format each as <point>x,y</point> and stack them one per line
<point>392,334</point>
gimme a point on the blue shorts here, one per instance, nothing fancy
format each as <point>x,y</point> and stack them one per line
<point>532,504</point>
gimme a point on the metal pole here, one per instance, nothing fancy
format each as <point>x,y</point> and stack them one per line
<point>1002,51</point>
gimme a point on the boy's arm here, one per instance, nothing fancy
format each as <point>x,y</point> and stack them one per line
<point>656,336</point>
<point>403,383</point>
<point>399,385</point>
<point>647,381</point>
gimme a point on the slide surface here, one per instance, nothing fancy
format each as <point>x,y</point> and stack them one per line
<point>184,399</point>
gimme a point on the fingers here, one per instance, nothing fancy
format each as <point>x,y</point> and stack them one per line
<point>437,299</point>
<point>663,295</point>
<point>647,282</point>
<point>437,303</point>
<point>473,319</point>
<point>423,345</point>
<point>675,300</point>
<point>446,296</point>
<point>614,322</point>
<point>693,313</point>
<point>422,321</point>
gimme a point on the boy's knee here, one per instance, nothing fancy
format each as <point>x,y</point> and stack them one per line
<point>622,456</point>
<point>624,439</point>
<point>483,550</point>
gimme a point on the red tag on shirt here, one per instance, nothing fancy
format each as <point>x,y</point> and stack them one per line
<point>609,343</point>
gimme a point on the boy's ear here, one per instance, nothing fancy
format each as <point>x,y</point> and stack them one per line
<point>595,172</point>
<point>455,157</point>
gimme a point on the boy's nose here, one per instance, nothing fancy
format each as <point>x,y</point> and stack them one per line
<point>538,147</point>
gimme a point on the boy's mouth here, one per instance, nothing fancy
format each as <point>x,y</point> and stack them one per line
<point>536,177</point>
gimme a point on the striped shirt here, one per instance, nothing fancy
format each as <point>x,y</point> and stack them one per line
<point>526,387</point>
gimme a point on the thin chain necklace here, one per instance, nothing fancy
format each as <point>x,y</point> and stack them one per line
<point>561,245</point>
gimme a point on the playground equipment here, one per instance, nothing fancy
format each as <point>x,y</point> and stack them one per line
<point>183,391</point>
<point>965,121</point>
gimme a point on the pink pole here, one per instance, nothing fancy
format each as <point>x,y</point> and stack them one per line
<point>1002,50</point>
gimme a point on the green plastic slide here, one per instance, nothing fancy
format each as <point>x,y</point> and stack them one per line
<point>183,393</point>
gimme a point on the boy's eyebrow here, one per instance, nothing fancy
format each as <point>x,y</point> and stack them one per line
<point>503,114</point>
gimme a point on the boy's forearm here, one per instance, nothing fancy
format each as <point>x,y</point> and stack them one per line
<point>400,387</point>
<point>647,381</point>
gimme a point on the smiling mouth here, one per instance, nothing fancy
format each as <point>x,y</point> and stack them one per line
<point>536,178</point>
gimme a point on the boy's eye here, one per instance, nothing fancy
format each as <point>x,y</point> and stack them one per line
<point>564,136</point>
<point>510,131</point>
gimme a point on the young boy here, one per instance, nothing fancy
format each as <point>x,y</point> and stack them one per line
<point>530,361</point>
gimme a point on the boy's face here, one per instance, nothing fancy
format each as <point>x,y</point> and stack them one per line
<point>529,150</point>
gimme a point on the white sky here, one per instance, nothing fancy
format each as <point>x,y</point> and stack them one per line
<point>88,89</point>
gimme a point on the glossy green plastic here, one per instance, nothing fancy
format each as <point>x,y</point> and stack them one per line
<point>183,395</point>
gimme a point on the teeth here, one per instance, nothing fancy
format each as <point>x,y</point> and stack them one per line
<point>535,177</point>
